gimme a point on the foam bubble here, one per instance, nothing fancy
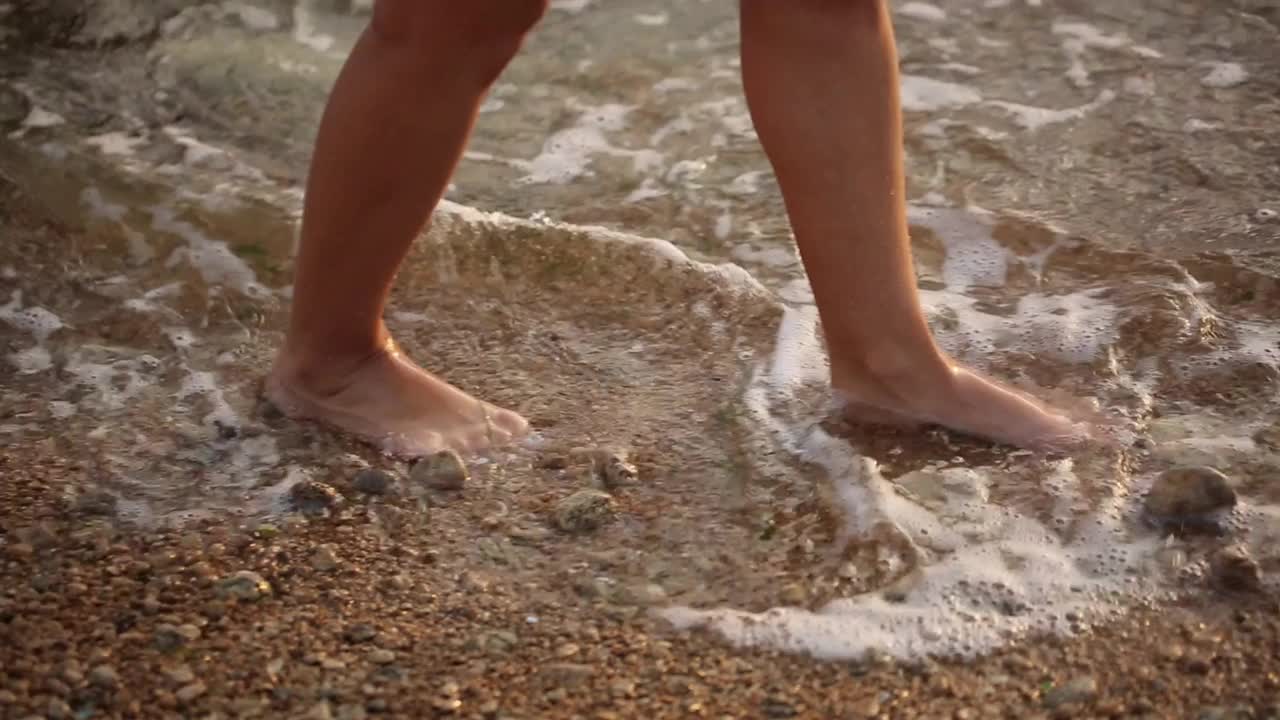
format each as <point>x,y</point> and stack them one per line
<point>1225,75</point>
<point>988,573</point>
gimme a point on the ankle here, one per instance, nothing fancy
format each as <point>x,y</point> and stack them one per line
<point>324,370</point>
<point>890,365</point>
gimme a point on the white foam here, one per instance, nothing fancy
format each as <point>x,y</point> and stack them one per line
<point>924,94</point>
<point>38,117</point>
<point>1034,118</point>
<point>304,28</point>
<point>568,153</point>
<point>571,7</point>
<point>1225,75</point>
<point>922,11</point>
<point>651,19</point>
<point>37,322</point>
<point>214,261</point>
<point>989,574</point>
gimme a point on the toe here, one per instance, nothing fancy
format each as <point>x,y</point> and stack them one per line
<point>512,424</point>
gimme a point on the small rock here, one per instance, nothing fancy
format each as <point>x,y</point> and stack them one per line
<point>325,558</point>
<point>19,551</point>
<point>1188,493</point>
<point>554,462</point>
<point>104,676</point>
<point>314,497</point>
<point>1269,436</point>
<point>180,675</point>
<point>244,585</point>
<point>794,595</point>
<point>359,632</point>
<point>567,650</point>
<point>866,708</point>
<point>1078,690</point>
<point>775,708</point>
<point>495,641</point>
<point>564,673</point>
<point>372,481</point>
<point>528,535</point>
<point>171,637</point>
<point>442,471</point>
<point>95,502</point>
<point>188,693</point>
<point>622,688</point>
<point>584,511</point>
<point>382,656</point>
<point>58,709</point>
<point>321,711</point>
<point>613,470</point>
<point>351,711</point>
<point>641,594</point>
<point>1235,570</point>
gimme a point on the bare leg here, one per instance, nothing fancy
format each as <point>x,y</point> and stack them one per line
<point>822,85</point>
<point>396,124</point>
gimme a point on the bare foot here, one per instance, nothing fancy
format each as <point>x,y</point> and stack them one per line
<point>389,401</point>
<point>960,400</point>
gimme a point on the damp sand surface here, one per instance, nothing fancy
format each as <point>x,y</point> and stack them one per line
<point>145,272</point>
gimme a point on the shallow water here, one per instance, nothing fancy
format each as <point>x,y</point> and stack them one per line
<point>1096,222</point>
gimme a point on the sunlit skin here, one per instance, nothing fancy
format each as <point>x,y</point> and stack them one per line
<point>821,83</point>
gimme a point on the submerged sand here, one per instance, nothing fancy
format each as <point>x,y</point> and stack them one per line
<point>173,547</point>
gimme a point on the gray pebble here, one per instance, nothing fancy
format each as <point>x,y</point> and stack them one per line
<point>382,656</point>
<point>243,585</point>
<point>359,632</point>
<point>1235,570</point>
<point>1188,495</point>
<point>190,692</point>
<point>372,481</point>
<point>325,558</point>
<point>314,497</point>
<point>104,676</point>
<point>584,511</point>
<point>1078,690</point>
<point>58,709</point>
<point>442,471</point>
<point>95,502</point>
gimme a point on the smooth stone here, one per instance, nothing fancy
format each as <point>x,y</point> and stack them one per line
<point>584,511</point>
<point>442,471</point>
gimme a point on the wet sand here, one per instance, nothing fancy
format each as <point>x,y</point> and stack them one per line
<point>145,273</point>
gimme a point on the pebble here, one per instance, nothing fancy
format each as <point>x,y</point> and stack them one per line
<point>325,558</point>
<point>95,502</point>
<point>180,675</point>
<point>566,673</point>
<point>1269,436</point>
<point>642,594</point>
<point>1235,570</point>
<point>170,637</point>
<point>359,632</point>
<point>314,497</point>
<point>495,641</point>
<point>372,481</point>
<point>866,708</point>
<point>19,551</point>
<point>613,470</point>
<point>243,585</point>
<point>188,693</point>
<point>351,711</point>
<point>104,676</point>
<point>382,656</point>
<point>58,709</point>
<point>1078,690</point>
<point>1188,493</point>
<point>584,511</point>
<point>321,711</point>
<point>442,471</point>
